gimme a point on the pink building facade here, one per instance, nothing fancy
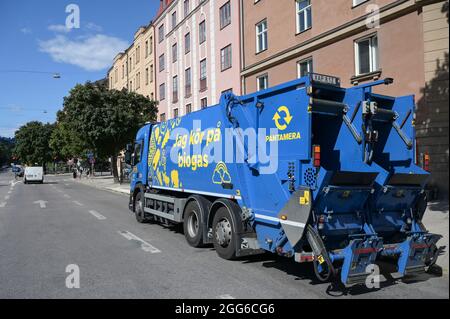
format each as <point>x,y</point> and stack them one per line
<point>197,53</point>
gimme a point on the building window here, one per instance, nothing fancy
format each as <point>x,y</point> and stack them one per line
<point>162,63</point>
<point>262,82</point>
<point>123,71</point>
<point>358,2</point>
<point>175,113</point>
<point>146,49</point>
<point>150,48</point>
<point>116,75</point>
<point>366,55</point>
<point>188,108</point>
<point>304,17</point>
<point>188,83</point>
<point>186,8</point>
<point>203,76</point>
<point>225,15</point>
<point>161,33</point>
<point>187,43</point>
<point>162,92</point>
<point>131,65</point>
<point>225,58</point>
<point>131,86</point>
<point>175,89</point>
<point>202,32</point>
<point>151,73</point>
<point>147,76</point>
<point>304,67</point>
<point>175,52</point>
<point>138,54</point>
<point>261,36</point>
<point>162,117</point>
<point>138,80</point>
<point>174,20</point>
<point>204,103</point>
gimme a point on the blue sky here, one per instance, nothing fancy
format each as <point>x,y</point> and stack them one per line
<point>34,37</point>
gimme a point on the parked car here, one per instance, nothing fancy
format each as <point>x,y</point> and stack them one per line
<point>34,174</point>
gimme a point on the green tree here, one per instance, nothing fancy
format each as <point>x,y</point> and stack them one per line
<point>106,120</point>
<point>32,143</point>
<point>6,147</point>
<point>65,142</point>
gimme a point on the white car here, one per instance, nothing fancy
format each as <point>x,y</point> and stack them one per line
<point>34,174</point>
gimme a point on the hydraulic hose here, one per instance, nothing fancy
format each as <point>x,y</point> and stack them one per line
<point>320,251</point>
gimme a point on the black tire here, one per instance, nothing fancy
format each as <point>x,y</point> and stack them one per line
<point>139,209</point>
<point>224,234</point>
<point>193,225</point>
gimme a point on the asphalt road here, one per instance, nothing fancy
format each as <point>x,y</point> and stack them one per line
<point>46,228</point>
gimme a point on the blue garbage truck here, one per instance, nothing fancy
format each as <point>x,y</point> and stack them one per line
<point>308,170</point>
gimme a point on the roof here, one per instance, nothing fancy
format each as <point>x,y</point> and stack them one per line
<point>163,5</point>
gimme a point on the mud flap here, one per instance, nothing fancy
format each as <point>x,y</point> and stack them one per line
<point>414,252</point>
<point>295,214</point>
<point>358,255</point>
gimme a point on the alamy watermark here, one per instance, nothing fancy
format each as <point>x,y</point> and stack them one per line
<point>73,19</point>
<point>73,279</point>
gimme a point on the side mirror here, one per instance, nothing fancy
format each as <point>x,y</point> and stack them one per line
<point>129,154</point>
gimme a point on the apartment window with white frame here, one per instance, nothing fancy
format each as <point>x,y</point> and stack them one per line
<point>304,67</point>
<point>147,76</point>
<point>161,33</point>
<point>304,15</point>
<point>225,15</point>
<point>358,2</point>
<point>204,103</point>
<point>262,82</point>
<point>261,36</point>
<point>203,75</point>
<point>162,63</point>
<point>202,32</point>
<point>162,92</point>
<point>188,108</point>
<point>175,89</point>
<point>151,73</point>
<point>366,55</point>
<point>186,8</point>
<point>175,52</point>
<point>174,20</point>
<point>187,43</point>
<point>175,113</point>
<point>146,49</point>
<point>226,58</point>
<point>188,82</point>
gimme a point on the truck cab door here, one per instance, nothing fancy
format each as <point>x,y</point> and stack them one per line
<point>137,163</point>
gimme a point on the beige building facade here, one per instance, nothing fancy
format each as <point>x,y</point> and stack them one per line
<point>357,41</point>
<point>134,69</point>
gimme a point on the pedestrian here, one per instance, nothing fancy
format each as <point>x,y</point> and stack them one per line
<point>74,173</point>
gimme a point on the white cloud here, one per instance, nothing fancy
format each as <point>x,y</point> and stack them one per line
<point>92,53</point>
<point>60,28</point>
<point>26,30</point>
<point>92,27</point>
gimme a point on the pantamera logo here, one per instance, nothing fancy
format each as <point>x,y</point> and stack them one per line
<point>282,119</point>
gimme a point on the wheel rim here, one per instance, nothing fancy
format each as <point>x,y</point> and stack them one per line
<point>139,209</point>
<point>192,225</point>
<point>223,232</point>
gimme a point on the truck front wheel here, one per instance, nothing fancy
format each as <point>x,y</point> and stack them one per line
<point>224,234</point>
<point>192,225</point>
<point>139,208</point>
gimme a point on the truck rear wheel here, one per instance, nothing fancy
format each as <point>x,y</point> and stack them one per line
<point>224,234</point>
<point>192,225</point>
<point>139,208</point>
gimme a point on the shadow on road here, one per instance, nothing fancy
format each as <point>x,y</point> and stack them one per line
<point>439,206</point>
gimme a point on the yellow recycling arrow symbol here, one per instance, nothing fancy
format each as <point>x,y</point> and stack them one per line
<point>287,118</point>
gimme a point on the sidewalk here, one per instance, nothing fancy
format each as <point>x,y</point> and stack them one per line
<point>106,183</point>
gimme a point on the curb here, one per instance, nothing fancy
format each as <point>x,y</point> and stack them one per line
<point>111,190</point>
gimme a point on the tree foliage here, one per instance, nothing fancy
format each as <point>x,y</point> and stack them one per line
<point>6,147</point>
<point>103,120</point>
<point>32,143</point>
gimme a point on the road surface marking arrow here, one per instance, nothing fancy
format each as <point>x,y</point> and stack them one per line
<point>144,245</point>
<point>41,203</point>
<point>97,215</point>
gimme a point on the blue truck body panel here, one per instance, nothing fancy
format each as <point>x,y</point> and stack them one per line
<point>359,199</point>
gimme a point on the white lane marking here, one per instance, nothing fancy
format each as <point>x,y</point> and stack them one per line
<point>225,297</point>
<point>6,197</point>
<point>97,215</point>
<point>66,196</point>
<point>42,203</point>
<point>144,245</point>
<point>9,192</point>
<point>77,203</point>
<point>2,204</point>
